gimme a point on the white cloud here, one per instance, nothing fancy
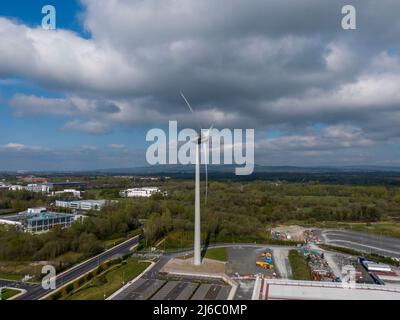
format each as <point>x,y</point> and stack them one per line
<point>116,146</point>
<point>88,127</point>
<point>21,147</point>
<point>330,138</point>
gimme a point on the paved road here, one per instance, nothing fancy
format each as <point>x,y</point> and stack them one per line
<point>281,261</point>
<point>362,242</point>
<point>37,292</point>
<point>17,284</point>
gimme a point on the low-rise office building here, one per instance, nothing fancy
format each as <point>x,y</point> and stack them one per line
<point>73,192</point>
<point>85,205</point>
<point>4,185</point>
<point>139,192</point>
<point>38,188</point>
<point>38,220</point>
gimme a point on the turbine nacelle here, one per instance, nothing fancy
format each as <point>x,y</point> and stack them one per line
<point>203,137</point>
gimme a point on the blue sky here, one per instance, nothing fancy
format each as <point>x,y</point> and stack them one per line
<point>83,96</point>
<point>45,130</point>
<point>29,12</point>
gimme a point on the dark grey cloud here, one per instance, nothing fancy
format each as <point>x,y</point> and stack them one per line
<point>282,65</point>
<point>107,107</point>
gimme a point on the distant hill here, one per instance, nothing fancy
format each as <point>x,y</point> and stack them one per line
<point>221,169</point>
<point>257,169</point>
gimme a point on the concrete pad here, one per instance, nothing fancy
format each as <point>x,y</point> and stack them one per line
<point>208,266</point>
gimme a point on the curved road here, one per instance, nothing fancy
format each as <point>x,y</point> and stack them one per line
<point>370,243</point>
<point>37,292</point>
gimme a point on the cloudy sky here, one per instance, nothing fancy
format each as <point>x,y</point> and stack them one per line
<point>84,96</point>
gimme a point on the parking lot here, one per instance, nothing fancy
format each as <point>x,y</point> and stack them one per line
<point>176,289</point>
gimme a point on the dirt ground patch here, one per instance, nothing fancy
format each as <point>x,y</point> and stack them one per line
<point>186,266</point>
<point>293,233</point>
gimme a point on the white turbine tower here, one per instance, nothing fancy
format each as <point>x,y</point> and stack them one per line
<point>200,139</point>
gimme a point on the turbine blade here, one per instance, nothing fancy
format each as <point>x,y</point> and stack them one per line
<point>187,102</point>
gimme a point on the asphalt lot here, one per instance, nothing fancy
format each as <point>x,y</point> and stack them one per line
<point>369,243</point>
<point>242,261</point>
<point>142,289</point>
<point>182,289</point>
<point>176,290</point>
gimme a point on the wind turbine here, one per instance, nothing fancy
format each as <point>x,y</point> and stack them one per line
<point>200,139</point>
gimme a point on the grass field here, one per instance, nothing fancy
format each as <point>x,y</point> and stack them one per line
<point>10,276</point>
<point>8,293</point>
<point>219,254</point>
<point>300,268</point>
<point>109,281</point>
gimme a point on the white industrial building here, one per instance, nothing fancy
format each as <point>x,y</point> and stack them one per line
<point>283,289</point>
<point>75,193</point>
<point>373,266</point>
<point>140,192</point>
<point>85,205</point>
<point>38,188</point>
<point>16,188</point>
<point>4,185</point>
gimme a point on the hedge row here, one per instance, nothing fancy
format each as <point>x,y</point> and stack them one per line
<point>66,290</point>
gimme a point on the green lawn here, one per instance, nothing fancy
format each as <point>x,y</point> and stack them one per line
<point>8,293</point>
<point>10,276</point>
<point>219,254</point>
<point>300,268</point>
<point>109,282</point>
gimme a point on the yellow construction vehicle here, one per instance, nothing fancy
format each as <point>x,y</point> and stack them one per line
<point>264,265</point>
